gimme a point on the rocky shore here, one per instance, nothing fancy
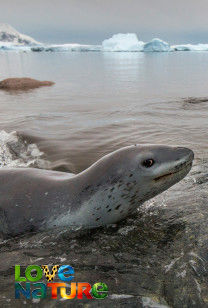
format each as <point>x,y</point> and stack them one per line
<point>157,258</point>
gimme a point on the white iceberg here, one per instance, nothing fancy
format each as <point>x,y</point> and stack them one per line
<point>157,45</point>
<point>9,35</point>
<point>123,42</point>
<point>190,47</point>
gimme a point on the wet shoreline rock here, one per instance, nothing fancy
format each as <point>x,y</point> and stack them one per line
<point>23,84</point>
<point>158,257</point>
<point>165,265</point>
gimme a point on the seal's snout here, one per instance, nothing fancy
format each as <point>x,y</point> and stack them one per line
<point>185,153</point>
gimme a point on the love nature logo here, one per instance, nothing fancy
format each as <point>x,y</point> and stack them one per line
<point>29,286</point>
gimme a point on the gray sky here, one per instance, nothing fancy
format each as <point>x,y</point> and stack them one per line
<point>91,21</point>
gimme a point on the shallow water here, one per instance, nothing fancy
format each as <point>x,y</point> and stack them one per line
<point>101,102</point>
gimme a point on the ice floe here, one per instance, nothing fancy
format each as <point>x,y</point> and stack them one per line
<point>191,47</point>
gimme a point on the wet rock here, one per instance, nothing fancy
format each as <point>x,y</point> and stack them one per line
<point>202,180</point>
<point>23,84</point>
<point>158,257</point>
<point>37,49</point>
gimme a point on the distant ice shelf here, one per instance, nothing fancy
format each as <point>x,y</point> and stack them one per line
<point>12,40</point>
<point>66,47</point>
<point>190,47</point>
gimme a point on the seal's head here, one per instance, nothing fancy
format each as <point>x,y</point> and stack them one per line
<point>160,167</point>
<point>128,177</point>
<point>152,168</point>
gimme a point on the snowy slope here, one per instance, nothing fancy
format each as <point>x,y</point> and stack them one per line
<point>9,35</point>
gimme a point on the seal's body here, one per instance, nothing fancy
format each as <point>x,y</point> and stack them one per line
<point>105,193</point>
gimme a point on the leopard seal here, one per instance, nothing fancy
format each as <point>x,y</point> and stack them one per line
<point>105,193</point>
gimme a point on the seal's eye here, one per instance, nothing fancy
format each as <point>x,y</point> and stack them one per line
<point>148,163</point>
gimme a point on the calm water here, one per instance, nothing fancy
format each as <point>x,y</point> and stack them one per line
<point>103,101</point>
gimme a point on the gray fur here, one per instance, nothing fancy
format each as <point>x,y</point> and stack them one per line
<point>105,193</point>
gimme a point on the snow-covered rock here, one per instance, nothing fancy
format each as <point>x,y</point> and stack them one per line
<point>157,45</point>
<point>9,35</point>
<point>123,42</point>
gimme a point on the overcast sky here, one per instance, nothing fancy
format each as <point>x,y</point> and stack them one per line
<point>91,21</point>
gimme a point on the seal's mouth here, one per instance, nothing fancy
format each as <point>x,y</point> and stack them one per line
<point>177,169</point>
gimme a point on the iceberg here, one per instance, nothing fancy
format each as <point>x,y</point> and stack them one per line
<point>123,42</point>
<point>9,35</point>
<point>157,45</point>
<point>130,42</point>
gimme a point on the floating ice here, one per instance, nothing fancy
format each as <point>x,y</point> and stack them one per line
<point>157,45</point>
<point>66,47</point>
<point>190,47</point>
<point>5,46</point>
<point>118,42</point>
<point>123,42</point>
